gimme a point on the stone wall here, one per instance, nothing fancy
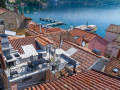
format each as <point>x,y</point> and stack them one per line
<point>13,20</point>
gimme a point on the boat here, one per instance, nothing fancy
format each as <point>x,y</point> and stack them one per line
<point>90,28</point>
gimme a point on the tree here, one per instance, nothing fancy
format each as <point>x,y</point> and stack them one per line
<point>2,3</point>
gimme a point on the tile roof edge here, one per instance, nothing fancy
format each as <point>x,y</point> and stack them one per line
<point>24,37</point>
<point>47,40</point>
<point>82,48</point>
<point>106,74</point>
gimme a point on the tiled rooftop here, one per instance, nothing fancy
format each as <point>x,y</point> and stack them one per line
<point>12,37</point>
<point>89,80</point>
<point>3,10</point>
<point>17,43</point>
<point>36,28</point>
<point>57,37</point>
<point>43,41</point>
<point>113,28</point>
<point>85,57</point>
<point>113,64</point>
<point>80,33</point>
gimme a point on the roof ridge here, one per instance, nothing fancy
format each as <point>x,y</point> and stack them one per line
<point>47,40</point>
<point>85,31</point>
<point>23,38</point>
<point>106,74</point>
<point>82,48</point>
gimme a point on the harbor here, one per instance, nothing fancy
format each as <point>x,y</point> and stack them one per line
<point>52,23</point>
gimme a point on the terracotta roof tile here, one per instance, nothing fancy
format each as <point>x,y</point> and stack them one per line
<point>34,26</point>
<point>89,80</point>
<point>12,37</point>
<point>43,41</point>
<point>114,63</point>
<point>81,33</point>
<point>113,28</point>
<point>84,56</point>
<point>57,37</point>
<point>17,43</point>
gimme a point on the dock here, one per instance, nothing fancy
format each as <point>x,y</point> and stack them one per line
<point>49,20</point>
<point>53,23</point>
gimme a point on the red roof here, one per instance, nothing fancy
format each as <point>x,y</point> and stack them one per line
<point>43,41</point>
<point>114,63</point>
<point>81,33</point>
<point>83,55</point>
<point>89,80</point>
<point>56,37</point>
<point>36,28</point>
<point>17,43</point>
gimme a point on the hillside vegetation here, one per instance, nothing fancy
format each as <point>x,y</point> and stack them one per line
<point>93,1</point>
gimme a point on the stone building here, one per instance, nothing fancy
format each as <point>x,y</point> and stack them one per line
<point>10,20</point>
<point>113,36</point>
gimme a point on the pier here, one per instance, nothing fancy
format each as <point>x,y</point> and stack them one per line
<point>52,22</point>
<point>49,20</point>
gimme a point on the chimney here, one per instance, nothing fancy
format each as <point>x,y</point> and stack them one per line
<point>60,44</point>
<point>74,68</point>
<point>40,27</point>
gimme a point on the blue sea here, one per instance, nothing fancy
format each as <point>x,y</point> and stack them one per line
<point>76,14</point>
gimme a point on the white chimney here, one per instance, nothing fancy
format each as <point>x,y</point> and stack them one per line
<point>54,57</point>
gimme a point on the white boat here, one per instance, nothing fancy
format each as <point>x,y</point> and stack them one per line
<point>90,28</point>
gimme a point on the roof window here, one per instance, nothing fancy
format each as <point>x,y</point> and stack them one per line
<point>76,37</point>
<point>115,70</point>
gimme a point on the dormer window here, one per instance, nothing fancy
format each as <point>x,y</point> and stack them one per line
<point>115,70</point>
<point>76,37</point>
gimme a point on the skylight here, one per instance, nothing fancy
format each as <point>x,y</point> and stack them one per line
<point>76,37</point>
<point>115,70</point>
<point>71,51</point>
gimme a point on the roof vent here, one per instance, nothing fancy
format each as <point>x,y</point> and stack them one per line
<point>115,70</point>
<point>76,37</point>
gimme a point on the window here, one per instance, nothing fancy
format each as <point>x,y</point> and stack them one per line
<point>115,70</point>
<point>76,37</point>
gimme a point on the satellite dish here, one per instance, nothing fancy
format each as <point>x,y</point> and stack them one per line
<point>83,43</point>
